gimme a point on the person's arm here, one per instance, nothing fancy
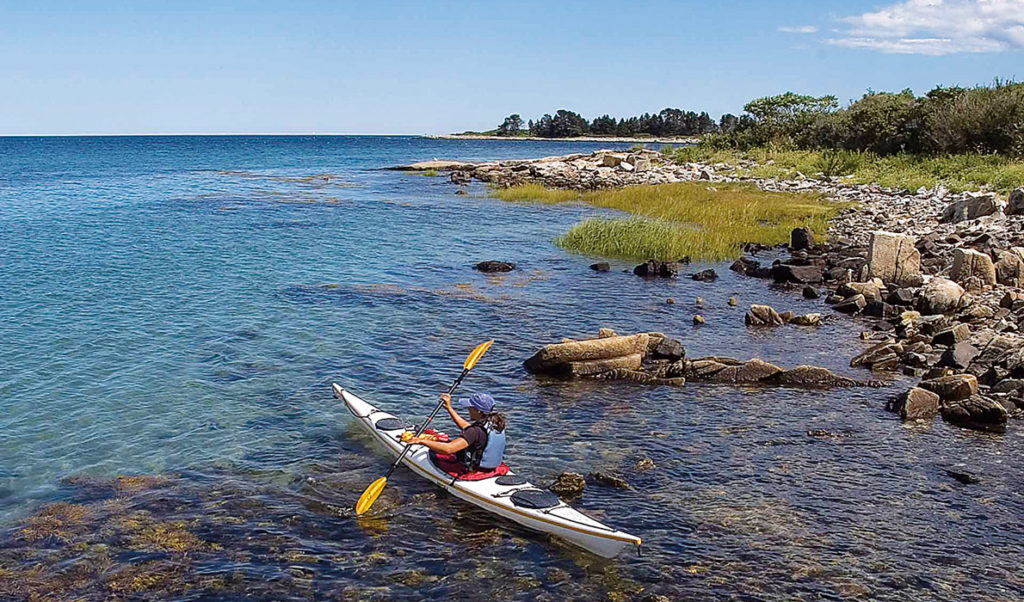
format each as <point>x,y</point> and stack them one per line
<point>460,422</point>
<point>444,447</point>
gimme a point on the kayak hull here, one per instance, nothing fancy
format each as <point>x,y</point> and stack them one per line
<point>561,520</point>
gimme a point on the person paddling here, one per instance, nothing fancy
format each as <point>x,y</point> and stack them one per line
<point>481,445</point>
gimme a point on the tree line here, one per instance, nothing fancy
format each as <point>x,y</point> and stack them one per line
<point>982,119</point>
<point>566,124</point>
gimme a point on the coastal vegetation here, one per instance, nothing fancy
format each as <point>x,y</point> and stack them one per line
<point>670,221</point>
<point>957,172</point>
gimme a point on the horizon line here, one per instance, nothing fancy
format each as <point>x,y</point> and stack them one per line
<point>204,134</point>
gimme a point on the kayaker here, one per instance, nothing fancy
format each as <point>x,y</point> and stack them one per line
<point>481,444</point>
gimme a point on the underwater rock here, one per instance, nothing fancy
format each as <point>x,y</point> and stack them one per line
<point>490,267</point>
<point>609,480</point>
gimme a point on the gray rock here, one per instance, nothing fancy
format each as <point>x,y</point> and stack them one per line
<point>893,257</point>
<point>916,404</point>
<point>1016,204</point>
<point>851,305</point>
<point>745,266</point>
<point>657,269</point>
<point>959,356</point>
<point>753,371</point>
<point>801,238</point>
<point>707,275</point>
<point>810,377</point>
<point>940,296</point>
<point>952,388</point>
<point>810,292</point>
<point>763,315</point>
<point>1009,269</point>
<point>974,206</point>
<point>976,412</point>
<point>669,349</point>
<point>799,274</point>
<point>952,335</point>
<point>882,356</point>
<point>601,266</point>
<point>968,263</point>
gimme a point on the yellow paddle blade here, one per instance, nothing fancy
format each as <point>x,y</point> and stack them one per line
<point>370,495</point>
<point>476,354</point>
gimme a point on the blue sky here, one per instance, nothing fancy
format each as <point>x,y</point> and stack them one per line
<point>435,67</point>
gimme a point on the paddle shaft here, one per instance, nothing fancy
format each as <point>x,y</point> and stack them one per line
<point>423,426</point>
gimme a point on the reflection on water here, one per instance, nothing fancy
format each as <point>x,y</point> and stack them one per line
<point>151,332</point>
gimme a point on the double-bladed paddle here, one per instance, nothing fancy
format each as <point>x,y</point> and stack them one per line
<point>373,491</point>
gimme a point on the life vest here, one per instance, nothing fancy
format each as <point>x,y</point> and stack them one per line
<point>489,456</point>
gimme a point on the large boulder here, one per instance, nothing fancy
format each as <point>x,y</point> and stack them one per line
<point>968,263</point>
<point>976,412</point>
<point>974,206</point>
<point>952,388</point>
<point>810,377</point>
<point>1016,204</point>
<point>940,296</point>
<point>894,258</point>
<point>556,358</point>
<point>763,315</point>
<point>916,404</point>
<point>657,269</point>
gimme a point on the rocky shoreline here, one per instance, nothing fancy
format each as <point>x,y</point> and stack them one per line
<point>936,276</point>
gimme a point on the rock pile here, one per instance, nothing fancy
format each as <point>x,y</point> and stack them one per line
<point>653,358</point>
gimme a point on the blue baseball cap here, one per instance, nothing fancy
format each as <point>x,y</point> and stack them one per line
<point>480,401</point>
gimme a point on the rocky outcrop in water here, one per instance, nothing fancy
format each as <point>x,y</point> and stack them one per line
<point>653,358</point>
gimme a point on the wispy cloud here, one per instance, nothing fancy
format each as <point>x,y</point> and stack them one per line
<point>799,29</point>
<point>935,27</point>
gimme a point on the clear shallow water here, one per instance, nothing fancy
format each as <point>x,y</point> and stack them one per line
<point>180,305</point>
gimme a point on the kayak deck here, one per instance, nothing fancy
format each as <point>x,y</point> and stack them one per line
<point>509,501</point>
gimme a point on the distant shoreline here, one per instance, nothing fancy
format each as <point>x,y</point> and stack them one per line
<point>669,140</point>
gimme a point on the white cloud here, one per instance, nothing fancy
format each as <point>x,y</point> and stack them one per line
<point>935,27</point>
<point>799,29</point>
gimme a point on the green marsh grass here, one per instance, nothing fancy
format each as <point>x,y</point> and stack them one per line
<point>670,221</point>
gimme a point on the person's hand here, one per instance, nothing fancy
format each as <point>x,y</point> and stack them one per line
<point>447,399</point>
<point>413,440</point>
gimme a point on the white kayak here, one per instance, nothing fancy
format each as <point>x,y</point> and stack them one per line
<point>509,496</point>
